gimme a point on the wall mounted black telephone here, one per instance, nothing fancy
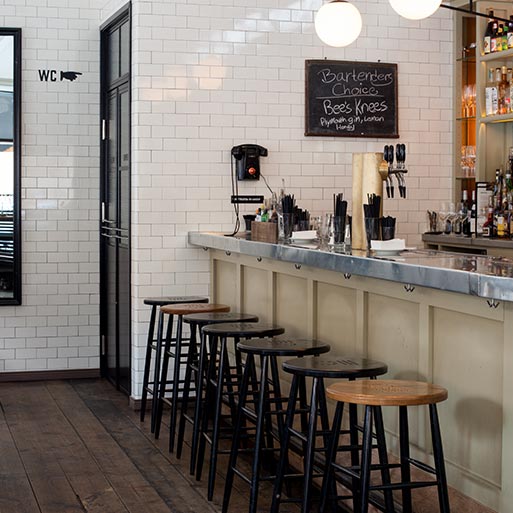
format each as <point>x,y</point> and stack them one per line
<point>247,160</point>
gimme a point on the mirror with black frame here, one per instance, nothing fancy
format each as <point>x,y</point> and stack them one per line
<point>10,166</point>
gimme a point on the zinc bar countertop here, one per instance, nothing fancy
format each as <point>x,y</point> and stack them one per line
<point>486,277</point>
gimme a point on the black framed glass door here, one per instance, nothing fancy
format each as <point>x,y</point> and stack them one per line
<point>115,203</point>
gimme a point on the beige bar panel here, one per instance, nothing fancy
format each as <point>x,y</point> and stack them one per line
<point>455,340</point>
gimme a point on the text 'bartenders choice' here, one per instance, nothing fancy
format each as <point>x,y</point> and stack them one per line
<point>351,99</point>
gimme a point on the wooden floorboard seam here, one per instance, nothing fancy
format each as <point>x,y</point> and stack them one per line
<point>117,485</point>
<point>160,474</point>
<point>91,454</point>
<point>4,417</point>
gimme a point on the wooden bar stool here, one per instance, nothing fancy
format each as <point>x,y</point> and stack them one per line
<point>268,350</point>
<point>374,394</point>
<point>197,365</point>
<point>179,356</point>
<point>222,382</point>
<point>151,387</point>
<point>318,368</point>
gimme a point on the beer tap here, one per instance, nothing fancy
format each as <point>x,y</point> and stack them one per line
<point>387,169</point>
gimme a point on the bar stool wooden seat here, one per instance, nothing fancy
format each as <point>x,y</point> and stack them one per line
<point>151,387</point>
<point>374,394</point>
<point>179,355</point>
<point>221,381</point>
<point>318,368</point>
<point>268,350</point>
<point>197,365</point>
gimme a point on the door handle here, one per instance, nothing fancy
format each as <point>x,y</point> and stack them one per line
<point>114,229</point>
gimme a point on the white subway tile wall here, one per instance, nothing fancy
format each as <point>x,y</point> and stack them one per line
<point>207,75</point>
<point>210,74</point>
<point>57,327</point>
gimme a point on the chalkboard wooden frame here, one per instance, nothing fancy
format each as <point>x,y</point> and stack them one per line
<point>388,129</point>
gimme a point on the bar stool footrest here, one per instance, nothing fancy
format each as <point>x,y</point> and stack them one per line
<point>404,486</point>
<point>422,466</point>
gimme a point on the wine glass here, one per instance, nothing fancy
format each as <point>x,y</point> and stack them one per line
<point>443,215</point>
<point>471,100</point>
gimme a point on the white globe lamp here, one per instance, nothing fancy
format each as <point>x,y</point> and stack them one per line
<point>415,9</point>
<point>338,23</point>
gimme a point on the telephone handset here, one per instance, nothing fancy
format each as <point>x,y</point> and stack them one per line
<point>247,160</point>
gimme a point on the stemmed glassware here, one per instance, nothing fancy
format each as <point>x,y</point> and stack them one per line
<point>468,102</point>
<point>468,161</point>
<point>443,215</point>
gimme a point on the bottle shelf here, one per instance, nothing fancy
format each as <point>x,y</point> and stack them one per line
<point>468,118</point>
<point>498,56</point>
<point>465,177</point>
<point>500,118</point>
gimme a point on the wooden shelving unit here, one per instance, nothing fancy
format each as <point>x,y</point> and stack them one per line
<point>493,135</point>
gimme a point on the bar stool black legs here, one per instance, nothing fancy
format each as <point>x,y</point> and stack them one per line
<point>373,395</point>
<point>268,351</point>
<point>179,355</point>
<point>152,387</point>
<point>318,369</point>
<point>147,363</point>
<point>220,384</point>
<point>438,453</point>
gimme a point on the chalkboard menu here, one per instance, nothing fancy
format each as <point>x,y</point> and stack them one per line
<point>351,99</point>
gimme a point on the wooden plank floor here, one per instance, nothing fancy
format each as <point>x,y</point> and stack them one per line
<point>76,446</point>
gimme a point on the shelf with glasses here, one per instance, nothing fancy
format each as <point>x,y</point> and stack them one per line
<point>466,118</point>
<point>465,177</point>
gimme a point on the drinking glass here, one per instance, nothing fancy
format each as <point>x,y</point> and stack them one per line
<point>326,230</point>
<point>371,229</point>
<point>337,231</point>
<point>432,218</point>
<point>288,226</point>
<point>316,225</point>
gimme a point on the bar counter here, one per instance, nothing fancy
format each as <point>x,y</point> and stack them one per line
<point>483,276</point>
<point>502,247</point>
<point>441,317</point>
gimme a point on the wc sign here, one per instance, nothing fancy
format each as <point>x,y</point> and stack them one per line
<point>52,75</point>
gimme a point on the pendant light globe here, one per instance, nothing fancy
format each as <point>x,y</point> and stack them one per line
<point>338,23</point>
<point>415,9</point>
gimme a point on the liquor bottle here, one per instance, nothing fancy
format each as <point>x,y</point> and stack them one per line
<point>497,190</point>
<point>504,38</point>
<point>503,90</point>
<point>510,32</point>
<point>473,208</point>
<point>509,186</point>
<point>491,98</point>
<point>488,34</point>
<point>504,194</point>
<point>488,225</point>
<point>464,201</point>
<point>510,220</point>
<point>498,43</point>
<point>493,39</point>
<point>501,225</point>
<point>509,78</point>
